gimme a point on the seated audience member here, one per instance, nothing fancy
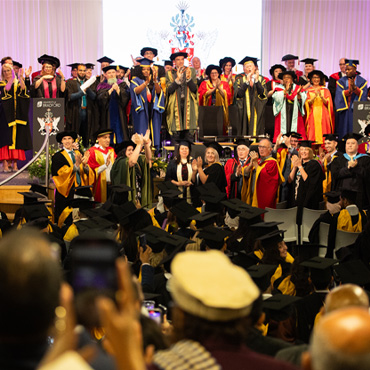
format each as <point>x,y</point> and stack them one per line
<point>29,294</point>
<point>337,345</point>
<point>351,171</point>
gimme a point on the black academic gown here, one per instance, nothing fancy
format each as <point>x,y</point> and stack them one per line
<point>73,109</point>
<point>216,174</point>
<point>356,178</point>
<point>40,93</point>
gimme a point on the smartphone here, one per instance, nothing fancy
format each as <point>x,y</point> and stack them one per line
<point>142,241</point>
<point>149,305</point>
<point>156,315</point>
<point>93,267</point>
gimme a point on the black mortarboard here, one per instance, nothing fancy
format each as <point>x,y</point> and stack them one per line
<point>289,57</point>
<point>215,145</point>
<point>61,135</point>
<point>119,193</point>
<point>290,73</point>
<point>179,54</point>
<point>84,191</point>
<point>317,73</point>
<point>214,237</point>
<point>17,64</point>
<point>353,272</point>
<point>38,188</point>
<point>39,223</point>
<point>271,238</point>
<point>50,60</point>
<point>352,135</point>
<point>183,211</point>
<point>124,68</point>
<point>102,132</point>
<point>108,68</point>
<point>168,63</point>
<point>252,214</point>
<point>124,145</point>
<point>249,59</point>
<point>309,60</point>
<point>89,66</point>
<point>166,185</point>
<point>82,203</point>
<point>183,139</point>
<point>349,194</point>
<point>210,193</point>
<point>144,62</point>
<point>320,270</point>
<point>332,196</point>
<point>352,62</point>
<point>30,197</point>
<point>105,60</point>
<point>225,60</point>
<point>153,50</point>
<point>153,237</point>
<point>73,65</point>
<point>261,275</point>
<point>319,263</point>
<point>85,225</point>
<point>102,223</point>
<point>273,225</point>
<point>279,307</point>
<point>331,137</point>
<point>96,212</point>
<point>276,66</point>
<point>120,188</point>
<point>294,134</point>
<point>123,212</point>
<point>211,67</point>
<point>35,211</point>
<point>242,141</point>
<point>204,219</point>
<point>306,143</point>
<point>235,206</point>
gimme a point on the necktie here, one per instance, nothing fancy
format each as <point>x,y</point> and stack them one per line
<point>78,177</point>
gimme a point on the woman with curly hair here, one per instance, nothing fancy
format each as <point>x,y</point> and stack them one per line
<point>147,99</point>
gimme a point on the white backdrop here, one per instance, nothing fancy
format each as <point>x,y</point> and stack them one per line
<point>324,30</point>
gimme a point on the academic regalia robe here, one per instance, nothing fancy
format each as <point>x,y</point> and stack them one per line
<point>147,115</point>
<point>216,174</point>
<point>327,183</point>
<point>178,119</point>
<point>113,109</point>
<point>14,125</point>
<point>284,159</point>
<point>96,160</point>
<point>65,179</point>
<point>232,180</point>
<point>219,99</point>
<point>174,172</point>
<point>54,88</point>
<point>319,117</point>
<point>73,108</point>
<point>137,177</point>
<point>356,178</point>
<point>251,103</point>
<point>223,77</point>
<point>344,104</point>
<point>289,111</point>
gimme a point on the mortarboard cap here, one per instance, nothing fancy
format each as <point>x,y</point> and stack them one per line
<point>183,211</point>
<point>153,50</point>
<point>289,57</point>
<point>96,212</point>
<point>261,275</point>
<point>34,211</point>
<point>89,66</point>
<point>332,196</point>
<point>168,63</point>
<point>331,137</point>
<point>215,145</point>
<point>309,60</point>
<point>279,307</point>
<point>153,237</point>
<point>249,59</point>
<point>353,272</point>
<point>271,238</point>
<point>242,141</point>
<point>38,188</point>
<point>74,65</point>
<point>352,135</point>
<point>82,203</point>
<point>85,225</point>
<point>103,132</point>
<point>294,134</point>
<point>225,60</point>
<point>320,270</point>
<point>124,145</point>
<point>33,198</point>
<point>290,73</point>
<point>276,66</point>
<point>349,194</point>
<point>39,223</point>
<point>214,237</point>
<point>61,135</point>
<point>319,263</point>
<point>108,68</point>
<point>204,219</point>
<point>210,193</point>
<point>123,212</point>
<point>235,206</point>
<point>252,213</point>
<point>105,60</point>
<point>179,54</point>
<point>145,62</point>
<point>50,60</point>
<point>17,64</point>
<point>102,223</point>
<point>166,185</point>
<point>84,191</point>
<point>352,62</point>
<point>211,67</point>
<point>317,73</point>
<point>306,143</point>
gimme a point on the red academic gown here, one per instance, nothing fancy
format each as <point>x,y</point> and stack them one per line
<point>95,161</point>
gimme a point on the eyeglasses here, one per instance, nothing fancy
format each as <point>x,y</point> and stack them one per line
<point>262,147</point>
<point>342,64</point>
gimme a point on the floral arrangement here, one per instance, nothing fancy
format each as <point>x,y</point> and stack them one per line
<point>159,165</point>
<point>37,168</point>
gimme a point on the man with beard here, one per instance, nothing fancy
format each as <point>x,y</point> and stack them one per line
<point>112,98</point>
<point>81,112</point>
